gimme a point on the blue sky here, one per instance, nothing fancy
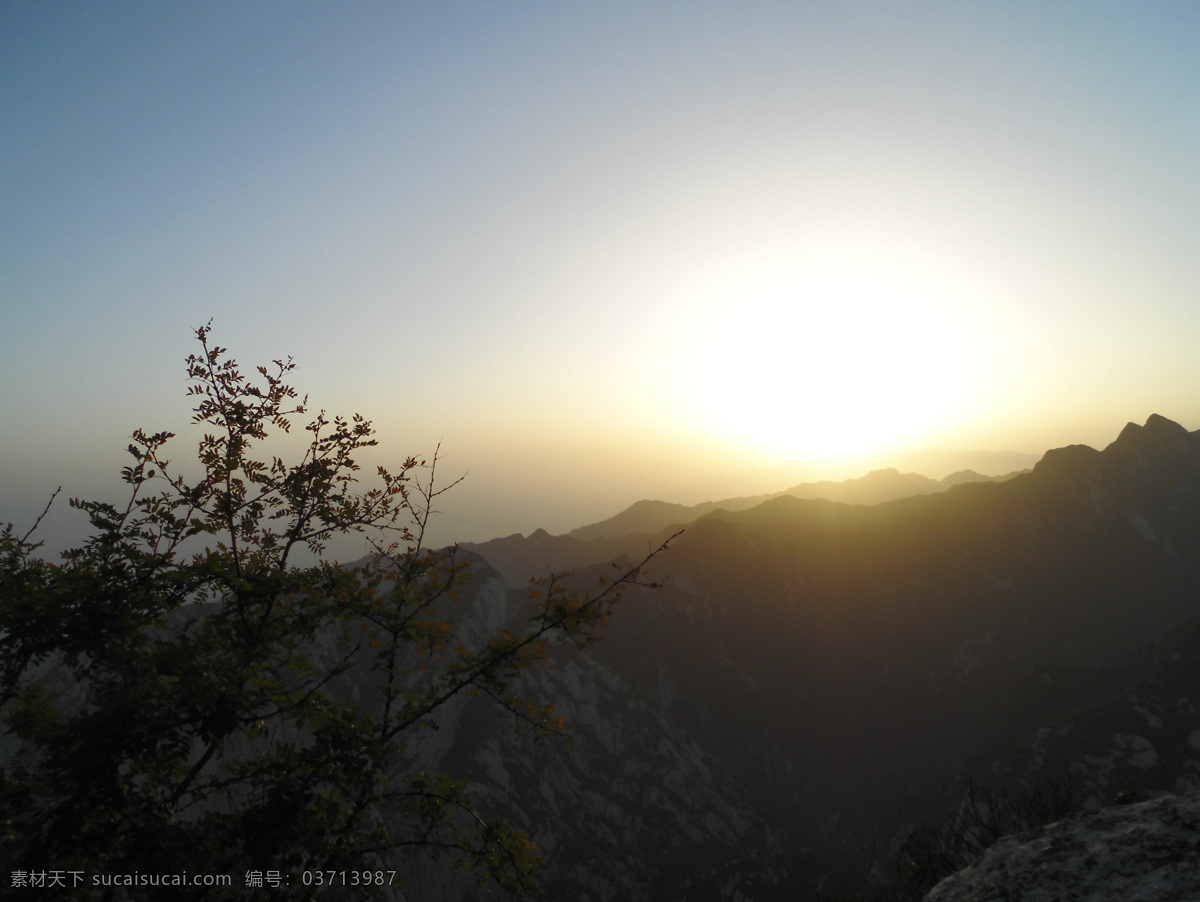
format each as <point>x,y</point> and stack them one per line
<point>600,251</point>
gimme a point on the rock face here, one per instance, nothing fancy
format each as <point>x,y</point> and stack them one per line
<point>1131,730</point>
<point>629,807</point>
<point>1148,852</point>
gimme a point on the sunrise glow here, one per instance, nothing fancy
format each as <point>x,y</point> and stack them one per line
<point>829,361</point>
<point>602,252</point>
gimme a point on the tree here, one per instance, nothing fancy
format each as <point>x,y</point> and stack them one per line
<point>176,692</point>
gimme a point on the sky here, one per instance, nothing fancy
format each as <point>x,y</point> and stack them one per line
<point>601,251</point>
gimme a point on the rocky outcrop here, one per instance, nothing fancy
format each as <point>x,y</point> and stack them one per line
<point>1149,852</point>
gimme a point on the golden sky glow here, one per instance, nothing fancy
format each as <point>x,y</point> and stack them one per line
<point>601,251</point>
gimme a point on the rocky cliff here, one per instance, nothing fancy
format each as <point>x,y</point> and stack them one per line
<point>1149,852</point>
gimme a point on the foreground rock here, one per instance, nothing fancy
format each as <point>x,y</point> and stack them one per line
<point>1149,852</point>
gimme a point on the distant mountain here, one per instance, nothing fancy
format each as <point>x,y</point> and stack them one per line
<point>888,484</point>
<point>839,670</point>
<point>521,558</point>
<point>874,488</point>
<point>933,462</point>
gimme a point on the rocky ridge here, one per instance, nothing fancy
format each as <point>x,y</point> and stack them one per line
<point>1145,852</point>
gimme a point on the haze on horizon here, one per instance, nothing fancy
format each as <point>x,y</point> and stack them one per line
<point>600,252</point>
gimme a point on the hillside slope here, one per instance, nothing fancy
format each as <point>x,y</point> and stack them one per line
<point>842,667</point>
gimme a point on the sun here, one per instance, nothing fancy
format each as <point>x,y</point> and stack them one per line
<point>827,362</point>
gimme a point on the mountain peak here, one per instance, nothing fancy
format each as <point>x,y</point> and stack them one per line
<point>1158,425</point>
<point>1158,434</point>
<point>1066,461</point>
<point>962,476</point>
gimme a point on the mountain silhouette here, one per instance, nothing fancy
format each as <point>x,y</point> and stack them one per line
<point>876,487</point>
<point>841,671</point>
<point>520,558</point>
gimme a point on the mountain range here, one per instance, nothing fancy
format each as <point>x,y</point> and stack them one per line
<point>520,558</point>
<point>819,687</point>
